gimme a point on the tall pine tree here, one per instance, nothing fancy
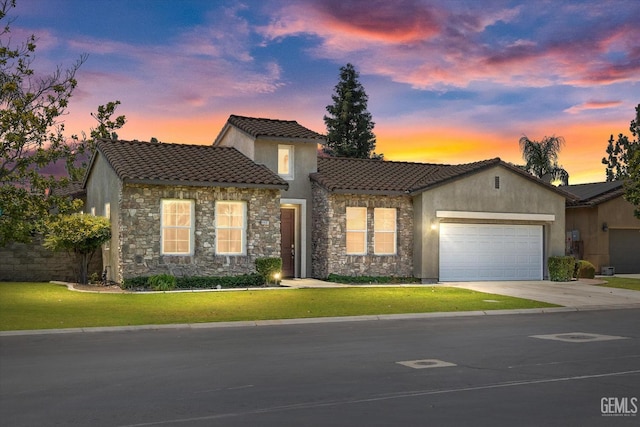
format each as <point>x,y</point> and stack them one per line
<point>620,153</point>
<point>349,125</point>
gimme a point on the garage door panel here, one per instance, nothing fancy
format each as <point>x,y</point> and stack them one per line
<point>490,252</point>
<point>624,250</point>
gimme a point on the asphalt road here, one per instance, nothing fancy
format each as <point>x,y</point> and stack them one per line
<point>332,374</point>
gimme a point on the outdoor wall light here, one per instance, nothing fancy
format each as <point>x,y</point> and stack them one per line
<point>434,225</point>
<point>605,227</point>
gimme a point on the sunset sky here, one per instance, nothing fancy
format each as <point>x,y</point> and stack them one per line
<point>449,81</point>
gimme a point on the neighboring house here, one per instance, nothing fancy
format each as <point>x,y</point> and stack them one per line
<point>261,190</point>
<point>601,227</point>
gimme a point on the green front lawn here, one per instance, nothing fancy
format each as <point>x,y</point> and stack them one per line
<point>49,306</point>
<point>621,282</point>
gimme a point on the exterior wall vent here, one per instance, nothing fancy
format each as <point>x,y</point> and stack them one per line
<point>496,182</point>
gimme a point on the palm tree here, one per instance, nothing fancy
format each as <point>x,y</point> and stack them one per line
<point>542,158</point>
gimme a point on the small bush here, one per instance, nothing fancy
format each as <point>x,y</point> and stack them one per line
<point>585,270</point>
<point>212,282</point>
<point>199,282</point>
<point>561,268</point>
<point>268,267</point>
<point>135,282</point>
<point>337,278</point>
<point>162,282</point>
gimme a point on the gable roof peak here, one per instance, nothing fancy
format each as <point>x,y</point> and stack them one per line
<point>273,128</point>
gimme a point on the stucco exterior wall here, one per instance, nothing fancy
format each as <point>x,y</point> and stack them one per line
<point>329,236</point>
<point>140,231</point>
<point>242,142</point>
<point>477,193</point>
<point>616,213</point>
<point>104,186</point>
<point>305,161</point>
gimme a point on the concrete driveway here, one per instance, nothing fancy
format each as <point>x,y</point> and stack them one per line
<point>578,294</point>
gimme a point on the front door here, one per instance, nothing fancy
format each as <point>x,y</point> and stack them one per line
<point>287,241</point>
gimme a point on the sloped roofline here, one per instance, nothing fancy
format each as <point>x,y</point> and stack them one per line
<point>597,198</point>
<point>487,164</point>
<point>428,181</point>
<point>316,138</point>
<point>278,183</point>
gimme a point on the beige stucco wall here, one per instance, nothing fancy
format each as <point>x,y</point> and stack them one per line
<point>477,193</point>
<point>305,161</point>
<point>104,186</point>
<point>243,142</point>
<point>616,213</point>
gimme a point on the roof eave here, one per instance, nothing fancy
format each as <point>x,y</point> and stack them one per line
<point>169,182</point>
<point>290,139</point>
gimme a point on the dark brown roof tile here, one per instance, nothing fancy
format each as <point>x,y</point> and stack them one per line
<point>204,165</point>
<point>258,127</point>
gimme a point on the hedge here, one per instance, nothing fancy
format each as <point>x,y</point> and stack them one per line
<point>201,282</point>
<point>337,278</point>
<point>561,268</point>
<point>585,270</point>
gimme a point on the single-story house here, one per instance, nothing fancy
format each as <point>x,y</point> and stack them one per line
<point>262,190</point>
<point>601,227</point>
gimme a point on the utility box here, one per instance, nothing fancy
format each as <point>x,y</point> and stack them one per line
<point>608,271</point>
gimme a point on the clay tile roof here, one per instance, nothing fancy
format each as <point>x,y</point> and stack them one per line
<point>346,175</point>
<point>175,164</point>
<point>258,127</point>
<point>73,189</point>
<point>594,193</point>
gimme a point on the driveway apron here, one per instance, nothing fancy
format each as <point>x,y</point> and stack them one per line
<point>576,294</point>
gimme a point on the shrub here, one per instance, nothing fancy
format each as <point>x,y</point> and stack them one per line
<point>135,282</point>
<point>337,278</point>
<point>585,270</point>
<point>162,282</point>
<point>200,282</point>
<point>212,282</point>
<point>268,268</point>
<point>561,268</point>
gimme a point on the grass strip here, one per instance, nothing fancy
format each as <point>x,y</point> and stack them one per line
<point>621,283</point>
<point>48,306</point>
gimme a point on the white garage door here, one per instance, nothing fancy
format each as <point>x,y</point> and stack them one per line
<point>470,252</point>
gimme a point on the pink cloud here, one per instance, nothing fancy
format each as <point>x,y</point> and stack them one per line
<point>433,47</point>
<point>592,105</point>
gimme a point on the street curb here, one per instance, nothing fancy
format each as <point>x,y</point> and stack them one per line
<point>311,320</point>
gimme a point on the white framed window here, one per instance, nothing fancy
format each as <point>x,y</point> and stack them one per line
<point>231,226</point>
<point>356,231</point>
<point>285,161</point>
<point>384,231</point>
<point>177,224</point>
<point>107,210</point>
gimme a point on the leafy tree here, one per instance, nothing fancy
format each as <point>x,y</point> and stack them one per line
<point>632,184</point>
<point>349,125</point>
<point>83,149</point>
<point>32,137</point>
<point>620,152</point>
<point>78,234</point>
<point>542,158</point>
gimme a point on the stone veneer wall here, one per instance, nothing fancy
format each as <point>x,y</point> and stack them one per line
<point>32,262</point>
<point>329,241</point>
<point>140,231</point>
